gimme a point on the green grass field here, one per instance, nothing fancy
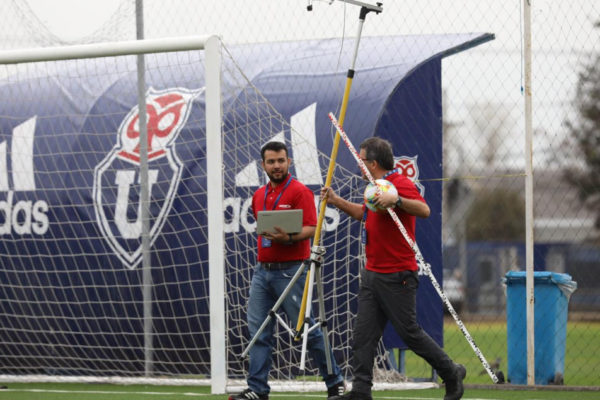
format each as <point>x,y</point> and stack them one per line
<point>580,370</point>
<point>580,364</point>
<point>55,391</point>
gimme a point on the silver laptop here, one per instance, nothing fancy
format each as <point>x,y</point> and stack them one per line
<point>288,220</point>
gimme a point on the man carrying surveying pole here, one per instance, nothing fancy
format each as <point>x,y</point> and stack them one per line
<point>389,281</point>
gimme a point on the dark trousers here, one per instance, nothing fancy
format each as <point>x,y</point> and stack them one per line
<point>383,298</point>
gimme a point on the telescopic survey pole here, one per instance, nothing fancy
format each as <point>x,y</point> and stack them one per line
<point>317,251</point>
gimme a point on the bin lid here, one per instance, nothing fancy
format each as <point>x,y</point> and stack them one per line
<point>564,281</point>
<point>538,277</point>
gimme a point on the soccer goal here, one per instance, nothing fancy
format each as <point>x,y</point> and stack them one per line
<point>127,245</point>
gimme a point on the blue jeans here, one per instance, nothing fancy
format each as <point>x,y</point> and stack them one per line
<point>266,288</point>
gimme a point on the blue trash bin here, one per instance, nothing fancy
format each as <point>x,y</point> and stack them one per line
<point>551,291</point>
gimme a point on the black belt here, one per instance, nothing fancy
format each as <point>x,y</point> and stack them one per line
<point>280,265</point>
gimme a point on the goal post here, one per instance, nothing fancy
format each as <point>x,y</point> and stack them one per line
<point>212,68</point>
<point>214,174</point>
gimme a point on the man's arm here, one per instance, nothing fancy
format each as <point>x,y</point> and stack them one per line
<point>415,207</point>
<point>355,210</point>
<point>282,236</point>
<point>306,233</point>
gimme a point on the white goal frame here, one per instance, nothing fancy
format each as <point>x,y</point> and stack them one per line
<point>212,46</point>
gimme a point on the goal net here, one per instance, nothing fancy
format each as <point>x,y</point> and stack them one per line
<point>97,283</point>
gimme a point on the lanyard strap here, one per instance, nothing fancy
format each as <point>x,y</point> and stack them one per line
<point>391,172</point>
<point>278,197</point>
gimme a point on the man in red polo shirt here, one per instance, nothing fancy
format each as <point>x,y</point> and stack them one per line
<point>280,254</point>
<point>389,281</point>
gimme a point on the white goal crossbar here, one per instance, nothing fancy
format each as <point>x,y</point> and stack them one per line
<point>212,46</point>
<point>107,49</point>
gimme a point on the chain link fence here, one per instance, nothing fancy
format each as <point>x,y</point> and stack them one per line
<point>484,132</point>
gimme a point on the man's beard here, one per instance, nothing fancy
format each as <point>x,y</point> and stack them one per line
<point>277,181</point>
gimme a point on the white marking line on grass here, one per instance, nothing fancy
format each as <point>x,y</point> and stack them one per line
<point>376,396</point>
<point>103,392</point>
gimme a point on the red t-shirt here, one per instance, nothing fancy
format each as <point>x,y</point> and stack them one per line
<point>295,196</point>
<point>387,250</point>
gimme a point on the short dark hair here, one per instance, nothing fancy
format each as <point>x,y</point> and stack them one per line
<point>273,146</point>
<point>380,150</point>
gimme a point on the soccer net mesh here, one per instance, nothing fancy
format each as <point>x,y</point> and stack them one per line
<point>72,302</point>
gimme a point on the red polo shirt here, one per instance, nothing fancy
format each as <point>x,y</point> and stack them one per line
<point>295,196</point>
<point>386,249</point>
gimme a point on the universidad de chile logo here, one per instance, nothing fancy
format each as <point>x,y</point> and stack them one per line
<point>117,176</point>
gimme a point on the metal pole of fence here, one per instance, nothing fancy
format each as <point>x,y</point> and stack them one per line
<point>529,239</point>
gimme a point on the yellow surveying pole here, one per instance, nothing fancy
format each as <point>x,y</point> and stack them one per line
<point>306,298</point>
<point>323,205</point>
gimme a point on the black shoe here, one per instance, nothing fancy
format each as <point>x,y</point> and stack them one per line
<point>248,394</point>
<point>352,396</point>
<point>454,386</point>
<point>336,390</point>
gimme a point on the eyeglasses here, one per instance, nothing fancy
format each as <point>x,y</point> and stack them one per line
<point>366,159</point>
